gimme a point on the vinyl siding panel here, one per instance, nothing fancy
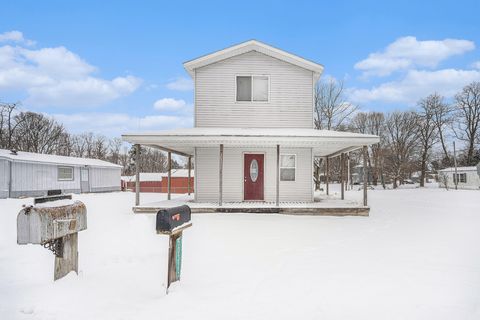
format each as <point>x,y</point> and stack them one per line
<point>291,94</point>
<point>104,179</point>
<point>40,177</point>
<point>207,174</point>
<point>4,177</point>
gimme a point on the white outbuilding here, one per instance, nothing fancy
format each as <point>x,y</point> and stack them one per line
<point>467,177</point>
<point>26,174</point>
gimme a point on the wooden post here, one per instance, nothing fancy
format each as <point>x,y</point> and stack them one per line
<point>277,190</point>
<point>68,261</point>
<point>172,274</point>
<point>326,173</point>
<point>169,181</point>
<point>189,173</point>
<point>220,177</point>
<point>342,175</point>
<point>137,174</point>
<point>365,175</point>
<point>349,178</point>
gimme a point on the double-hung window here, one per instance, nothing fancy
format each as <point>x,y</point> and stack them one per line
<point>461,177</point>
<point>288,164</point>
<point>65,173</point>
<point>252,88</point>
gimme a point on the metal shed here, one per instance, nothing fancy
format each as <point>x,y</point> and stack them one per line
<point>26,174</point>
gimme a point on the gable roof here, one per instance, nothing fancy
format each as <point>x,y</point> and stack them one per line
<point>54,159</point>
<point>253,45</point>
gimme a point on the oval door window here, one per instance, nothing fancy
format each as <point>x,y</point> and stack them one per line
<point>254,170</point>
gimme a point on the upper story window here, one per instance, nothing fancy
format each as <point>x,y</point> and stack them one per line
<point>252,88</point>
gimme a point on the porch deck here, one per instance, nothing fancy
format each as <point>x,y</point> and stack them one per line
<point>323,206</point>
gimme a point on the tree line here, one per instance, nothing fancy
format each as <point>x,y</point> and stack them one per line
<point>34,132</point>
<point>414,140</point>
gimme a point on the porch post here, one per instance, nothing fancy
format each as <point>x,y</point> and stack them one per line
<point>349,180</point>
<point>326,173</point>
<point>189,173</point>
<point>220,177</point>
<point>365,175</point>
<point>169,181</point>
<point>277,194</point>
<point>342,174</point>
<point>137,174</point>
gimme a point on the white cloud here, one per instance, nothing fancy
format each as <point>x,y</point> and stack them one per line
<point>476,65</point>
<point>408,52</point>
<point>58,77</point>
<point>169,104</point>
<point>415,85</point>
<point>180,84</point>
<point>115,124</point>
<point>15,36</point>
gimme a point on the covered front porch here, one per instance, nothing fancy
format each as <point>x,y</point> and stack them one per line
<point>223,177</point>
<point>323,205</point>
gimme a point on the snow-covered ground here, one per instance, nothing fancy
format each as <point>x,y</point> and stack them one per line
<point>416,257</point>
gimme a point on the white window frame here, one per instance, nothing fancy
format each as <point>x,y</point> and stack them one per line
<point>65,167</point>
<point>459,179</point>
<point>252,76</point>
<point>294,167</point>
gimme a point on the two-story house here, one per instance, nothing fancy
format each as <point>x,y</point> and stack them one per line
<point>253,137</point>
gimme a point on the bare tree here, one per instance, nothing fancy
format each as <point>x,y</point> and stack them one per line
<point>402,135</point>
<point>428,131</point>
<point>467,112</point>
<point>8,124</point>
<point>332,111</point>
<point>37,133</point>
<point>442,119</point>
<point>115,146</point>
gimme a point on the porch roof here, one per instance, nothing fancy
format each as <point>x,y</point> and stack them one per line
<point>183,141</point>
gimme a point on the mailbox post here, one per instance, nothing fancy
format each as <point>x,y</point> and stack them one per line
<point>56,228</point>
<point>172,222</point>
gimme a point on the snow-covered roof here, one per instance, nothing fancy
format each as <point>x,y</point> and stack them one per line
<point>452,169</point>
<point>54,159</point>
<point>324,142</point>
<point>158,176</point>
<point>253,45</point>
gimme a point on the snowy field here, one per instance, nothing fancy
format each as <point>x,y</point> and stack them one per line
<point>416,257</point>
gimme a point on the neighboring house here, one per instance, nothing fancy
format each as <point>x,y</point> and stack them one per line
<point>158,182</point>
<point>26,174</point>
<point>467,177</point>
<point>253,137</point>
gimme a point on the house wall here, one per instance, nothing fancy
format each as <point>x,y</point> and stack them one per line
<point>207,174</point>
<point>4,177</point>
<point>291,94</point>
<point>104,179</point>
<point>473,180</point>
<point>34,179</point>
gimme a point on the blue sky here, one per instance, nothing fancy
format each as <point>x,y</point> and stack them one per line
<point>116,66</point>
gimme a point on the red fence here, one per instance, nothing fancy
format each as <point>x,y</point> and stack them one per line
<point>178,185</point>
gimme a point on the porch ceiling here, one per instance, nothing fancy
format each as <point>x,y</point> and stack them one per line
<point>183,141</point>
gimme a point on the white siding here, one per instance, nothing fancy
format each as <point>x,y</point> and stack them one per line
<point>473,180</point>
<point>104,179</point>
<point>35,176</point>
<point>206,172</point>
<point>291,94</point>
<point>4,176</point>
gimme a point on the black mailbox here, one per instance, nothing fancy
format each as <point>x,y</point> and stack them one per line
<point>171,218</point>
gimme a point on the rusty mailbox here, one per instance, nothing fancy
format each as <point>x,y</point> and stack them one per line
<point>54,225</point>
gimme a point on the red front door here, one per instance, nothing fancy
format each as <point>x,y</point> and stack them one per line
<point>253,177</point>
